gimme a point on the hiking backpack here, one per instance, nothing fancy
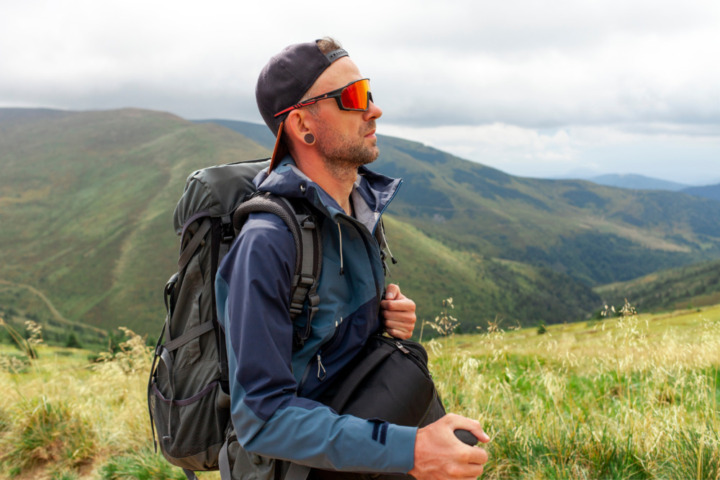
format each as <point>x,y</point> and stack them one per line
<point>188,392</point>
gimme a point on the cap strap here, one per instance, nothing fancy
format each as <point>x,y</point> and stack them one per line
<point>335,54</point>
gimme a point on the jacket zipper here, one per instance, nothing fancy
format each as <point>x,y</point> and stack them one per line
<point>321,372</point>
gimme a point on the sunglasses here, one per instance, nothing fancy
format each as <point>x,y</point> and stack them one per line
<point>354,96</point>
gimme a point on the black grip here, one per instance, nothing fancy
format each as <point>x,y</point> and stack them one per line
<point>466,437</point>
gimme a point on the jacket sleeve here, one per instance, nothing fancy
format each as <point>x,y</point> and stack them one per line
<point>253,296</point>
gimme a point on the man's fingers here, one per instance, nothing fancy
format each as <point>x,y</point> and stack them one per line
<point>482,436</point>
<point>470,469</point>
<point>399,320</point>
<point>439,455</point>
<point>401,334</point>
<point>392,291</point>
<point>398,313</point>
<point>479,456</point>
<point>400,304</point>
<point>459,422</point>
<point>401,327</point>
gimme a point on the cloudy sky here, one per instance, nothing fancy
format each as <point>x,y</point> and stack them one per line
<point>532,87</point>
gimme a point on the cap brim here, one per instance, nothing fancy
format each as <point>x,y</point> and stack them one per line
<point>280,150</point>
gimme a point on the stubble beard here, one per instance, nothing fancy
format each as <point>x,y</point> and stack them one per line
<point>342,156</point>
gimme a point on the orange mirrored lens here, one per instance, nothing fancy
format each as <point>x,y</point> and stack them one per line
<point>355,95</point>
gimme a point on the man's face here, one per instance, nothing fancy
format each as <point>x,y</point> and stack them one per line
<point>344,138</point>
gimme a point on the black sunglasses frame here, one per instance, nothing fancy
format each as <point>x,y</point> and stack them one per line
<point>336,94</point>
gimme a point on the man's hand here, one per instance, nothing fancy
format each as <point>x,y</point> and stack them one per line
<point>439,454</point>
<point>398,311</point>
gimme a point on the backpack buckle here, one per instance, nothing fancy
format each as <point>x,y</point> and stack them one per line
<point>306,280</point>
<point>227,231</point>
<point>308,222</point>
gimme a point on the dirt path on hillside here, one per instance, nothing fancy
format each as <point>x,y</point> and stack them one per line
<point>55,312</point>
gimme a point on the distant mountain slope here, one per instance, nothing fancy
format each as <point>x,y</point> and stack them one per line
<point>637,182</point>
<point>570,226</point>
<point>684,287</point>
<point>709,191</point>
<point>17,116</point>
<point>593,233</point>
<point>260,134</point>
<point>87,198</point>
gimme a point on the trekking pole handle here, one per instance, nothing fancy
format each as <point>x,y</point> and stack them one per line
<point>466,437</point>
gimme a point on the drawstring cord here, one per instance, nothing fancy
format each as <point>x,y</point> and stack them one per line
<point>383,246</point>
<point>386,244</point>
<point>342,270</point>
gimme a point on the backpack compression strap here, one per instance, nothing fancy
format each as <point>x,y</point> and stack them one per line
<point>308,259</point>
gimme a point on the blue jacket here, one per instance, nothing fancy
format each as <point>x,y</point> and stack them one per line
<point>272,387</point>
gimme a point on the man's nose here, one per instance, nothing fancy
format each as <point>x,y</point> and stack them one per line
<point>373,111</point>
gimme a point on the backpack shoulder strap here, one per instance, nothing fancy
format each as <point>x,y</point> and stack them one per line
<point>306,235</point>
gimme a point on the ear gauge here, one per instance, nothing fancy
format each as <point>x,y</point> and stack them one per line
<point>309,138</point>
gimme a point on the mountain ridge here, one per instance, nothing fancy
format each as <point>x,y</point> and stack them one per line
<point>88,199</point>
<point>707,191</point>
<point>636,181</point>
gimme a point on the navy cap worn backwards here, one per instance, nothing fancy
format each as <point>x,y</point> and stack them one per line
<point>284,81</point>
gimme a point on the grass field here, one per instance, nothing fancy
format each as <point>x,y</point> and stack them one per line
<point>629,398</point>
<point>634,397</point>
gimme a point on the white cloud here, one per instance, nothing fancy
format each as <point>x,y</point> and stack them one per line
<point>518,82</point>
<point>510,148</point>
<point>663,151</point>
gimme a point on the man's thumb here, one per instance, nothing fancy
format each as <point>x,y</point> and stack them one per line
<point>391,292</point>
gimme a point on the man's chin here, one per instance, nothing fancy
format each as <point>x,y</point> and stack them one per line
<point>374,156</point>
<point>374,150</point>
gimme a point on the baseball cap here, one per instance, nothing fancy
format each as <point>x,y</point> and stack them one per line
<point>285,80</point>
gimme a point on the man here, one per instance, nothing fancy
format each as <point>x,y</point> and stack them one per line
<point>313,97</point>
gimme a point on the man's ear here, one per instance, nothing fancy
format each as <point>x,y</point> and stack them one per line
<point>298,124</point>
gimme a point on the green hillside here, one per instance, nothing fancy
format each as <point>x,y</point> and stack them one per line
<point>483,289</point>
<point>86,200</point>
<point>595,234</point>
<point>571,234</point>
<point>683,287</point>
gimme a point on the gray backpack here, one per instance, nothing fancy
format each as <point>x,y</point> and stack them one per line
<point>188,398</point>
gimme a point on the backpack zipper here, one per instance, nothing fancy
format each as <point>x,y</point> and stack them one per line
<point>410,353</point>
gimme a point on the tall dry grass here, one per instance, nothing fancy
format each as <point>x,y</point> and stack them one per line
<point>64,415</point>
<point>634,397</point>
